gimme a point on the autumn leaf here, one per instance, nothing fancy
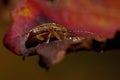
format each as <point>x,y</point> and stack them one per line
<point>98,22</point>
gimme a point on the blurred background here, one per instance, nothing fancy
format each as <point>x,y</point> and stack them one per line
<point>78,66</point>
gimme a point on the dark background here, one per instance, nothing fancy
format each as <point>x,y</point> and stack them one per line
<point>82,65</point>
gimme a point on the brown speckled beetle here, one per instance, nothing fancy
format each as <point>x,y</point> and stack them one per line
<point>46,33</point>
<point>49,32</point>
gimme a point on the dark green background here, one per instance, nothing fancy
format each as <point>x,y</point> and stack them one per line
<point>77,66</point>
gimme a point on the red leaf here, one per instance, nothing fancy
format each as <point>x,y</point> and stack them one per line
<point>25,16</point>
<point>100,19</point>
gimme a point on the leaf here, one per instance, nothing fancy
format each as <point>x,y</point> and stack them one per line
<point>97,21</point>
<point>25,17</point>
<point>52,53</point>
<point>97,18</point>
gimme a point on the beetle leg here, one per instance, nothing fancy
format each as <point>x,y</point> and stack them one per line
<point>57,36</point>
<point>40,36</point>
<point>48,38</point>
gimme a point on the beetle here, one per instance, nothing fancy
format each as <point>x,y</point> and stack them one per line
<point>49,32</point>
<point>46,33</point>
